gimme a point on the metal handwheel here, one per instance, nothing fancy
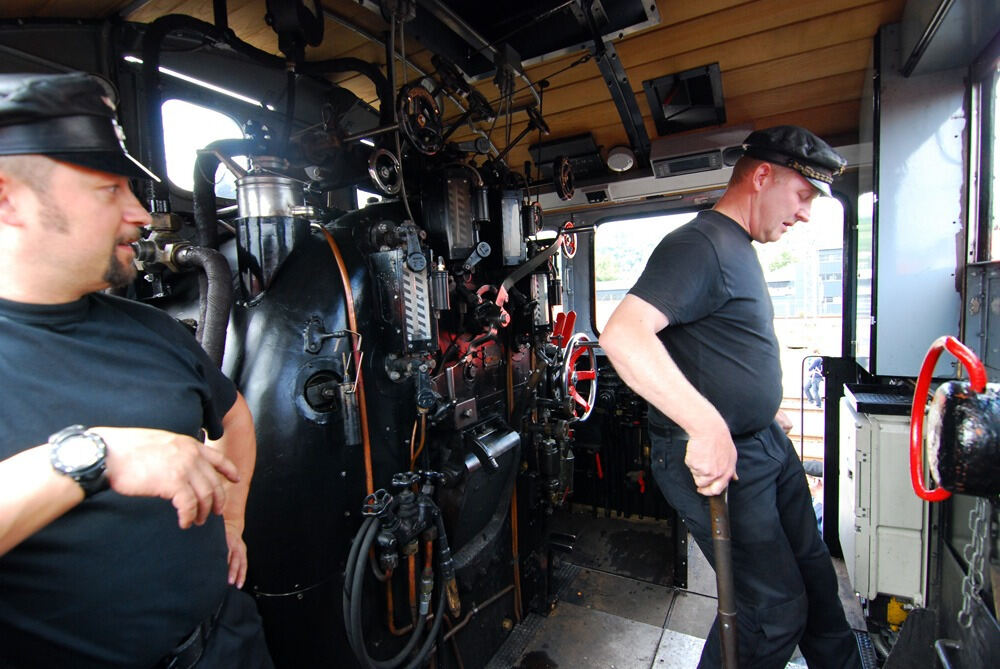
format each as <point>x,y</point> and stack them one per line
<point>420,119</point>
<point>571,377</point>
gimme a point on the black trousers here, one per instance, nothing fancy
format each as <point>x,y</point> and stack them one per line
<point>786,587</point>
<point>237,641</point>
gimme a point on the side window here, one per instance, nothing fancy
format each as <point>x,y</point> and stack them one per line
<point>188,127</point>
<point>989,182</point>
<point>621,249</point>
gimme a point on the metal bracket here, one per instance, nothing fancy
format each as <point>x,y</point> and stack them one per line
<point>616,79</point>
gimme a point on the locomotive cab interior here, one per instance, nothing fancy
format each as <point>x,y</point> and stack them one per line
<point>400,225</point>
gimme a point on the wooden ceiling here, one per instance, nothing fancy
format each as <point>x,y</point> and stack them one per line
<point>782,61</point>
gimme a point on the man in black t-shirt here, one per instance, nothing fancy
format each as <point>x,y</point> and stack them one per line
<point>695,338</point>
<point>112,549</point>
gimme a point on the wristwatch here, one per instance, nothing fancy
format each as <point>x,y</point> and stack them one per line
<point>78,453</point>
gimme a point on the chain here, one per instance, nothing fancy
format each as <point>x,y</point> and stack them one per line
<point>975,554</point>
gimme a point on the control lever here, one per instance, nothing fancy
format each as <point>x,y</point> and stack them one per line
<point>415,258</point>
<point>481,251</point>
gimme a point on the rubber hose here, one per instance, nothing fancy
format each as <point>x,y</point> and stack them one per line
<point>355,633</point>
<point>205,166</point>
<point>216,298</point>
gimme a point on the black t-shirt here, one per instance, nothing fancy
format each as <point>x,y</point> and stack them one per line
<point>114,582</point>
<point>706,279</point>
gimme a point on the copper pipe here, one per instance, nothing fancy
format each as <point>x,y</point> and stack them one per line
<point>413,438</point>
<point>423,439</point>
<point>390,614</point>
<point>454,643</point>
<point>411,564</point>
<point>515,553</point>
<point>352,324</point>
<point>474,611</point>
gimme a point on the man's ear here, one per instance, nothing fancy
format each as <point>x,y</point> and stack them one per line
<point>9,201</point>
<point>761,173</point>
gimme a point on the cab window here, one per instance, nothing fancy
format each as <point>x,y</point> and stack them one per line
<point>188,127</point>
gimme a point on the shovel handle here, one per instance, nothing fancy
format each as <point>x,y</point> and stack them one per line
<point>719,509</point>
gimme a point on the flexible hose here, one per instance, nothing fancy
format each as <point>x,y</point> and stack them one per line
<point>215,285</point>
<point>205,166</point>
<point>353,588</point>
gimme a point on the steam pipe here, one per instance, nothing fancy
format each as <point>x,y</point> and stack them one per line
<point>215,285</point>
<point>352,324</point>
<point>205,204</point>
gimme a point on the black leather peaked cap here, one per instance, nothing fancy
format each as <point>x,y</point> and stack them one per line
<point>799,149</point>
<point>67,117</point>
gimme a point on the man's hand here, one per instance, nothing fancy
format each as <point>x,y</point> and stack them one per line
<point>711,457</point>
<point>156,463</point>
<point>784,421</point>
<point>237,554</point>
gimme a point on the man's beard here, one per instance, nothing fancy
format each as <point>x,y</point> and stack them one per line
<point>118,274</point>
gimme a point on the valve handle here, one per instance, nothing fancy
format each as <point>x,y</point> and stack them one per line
<point>977,380</point>
<point>405,479</point>
<point>376,503</point>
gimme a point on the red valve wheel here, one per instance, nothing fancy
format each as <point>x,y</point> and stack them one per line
<point>574,350</point>
<point>977,381</point>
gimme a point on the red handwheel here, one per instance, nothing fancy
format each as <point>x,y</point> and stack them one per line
<point>571,377</point>
<point>977,382</point>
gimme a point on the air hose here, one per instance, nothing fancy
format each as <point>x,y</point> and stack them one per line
<point>354,578</point>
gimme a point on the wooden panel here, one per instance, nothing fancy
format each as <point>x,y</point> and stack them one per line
<point>769,50</point>
<point>827,90</point>
<point>825,62</point>
<point>671,48</point>
<point>740,21</point>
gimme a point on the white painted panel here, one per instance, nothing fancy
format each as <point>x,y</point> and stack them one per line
<point>920,180</point>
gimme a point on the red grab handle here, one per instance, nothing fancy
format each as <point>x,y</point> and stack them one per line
<point>977,379</point>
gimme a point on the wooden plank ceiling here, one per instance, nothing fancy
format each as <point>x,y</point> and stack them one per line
<point>782,61</point>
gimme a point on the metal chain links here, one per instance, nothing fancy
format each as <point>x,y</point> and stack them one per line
<point>975,554</point>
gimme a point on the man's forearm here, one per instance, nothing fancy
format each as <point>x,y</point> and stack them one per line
<point>645,366</point>
<point>239,444</point>
<point>32,495</point>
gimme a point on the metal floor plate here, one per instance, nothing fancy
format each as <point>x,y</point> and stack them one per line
<point>606,620</point>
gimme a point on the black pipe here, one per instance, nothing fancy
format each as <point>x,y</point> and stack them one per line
<point>152,43</point>
<point>215,285</point>
<point>289,107</point>
<point>205,166</point>
<point>221,14</point>
<point>382,86</point>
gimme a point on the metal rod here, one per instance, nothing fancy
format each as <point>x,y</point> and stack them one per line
<point>370,133</point>
<point>722,544</point>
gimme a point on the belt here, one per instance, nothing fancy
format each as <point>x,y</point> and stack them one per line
<point>676,433</point>
<point>186,654</point>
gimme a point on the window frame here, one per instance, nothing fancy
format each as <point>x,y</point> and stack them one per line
<point>984,87</point>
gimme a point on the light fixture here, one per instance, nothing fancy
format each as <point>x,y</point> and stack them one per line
<point>620,159</point>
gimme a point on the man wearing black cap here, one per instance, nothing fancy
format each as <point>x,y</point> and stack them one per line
<point>695,337</point>
<point>95,569</point>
